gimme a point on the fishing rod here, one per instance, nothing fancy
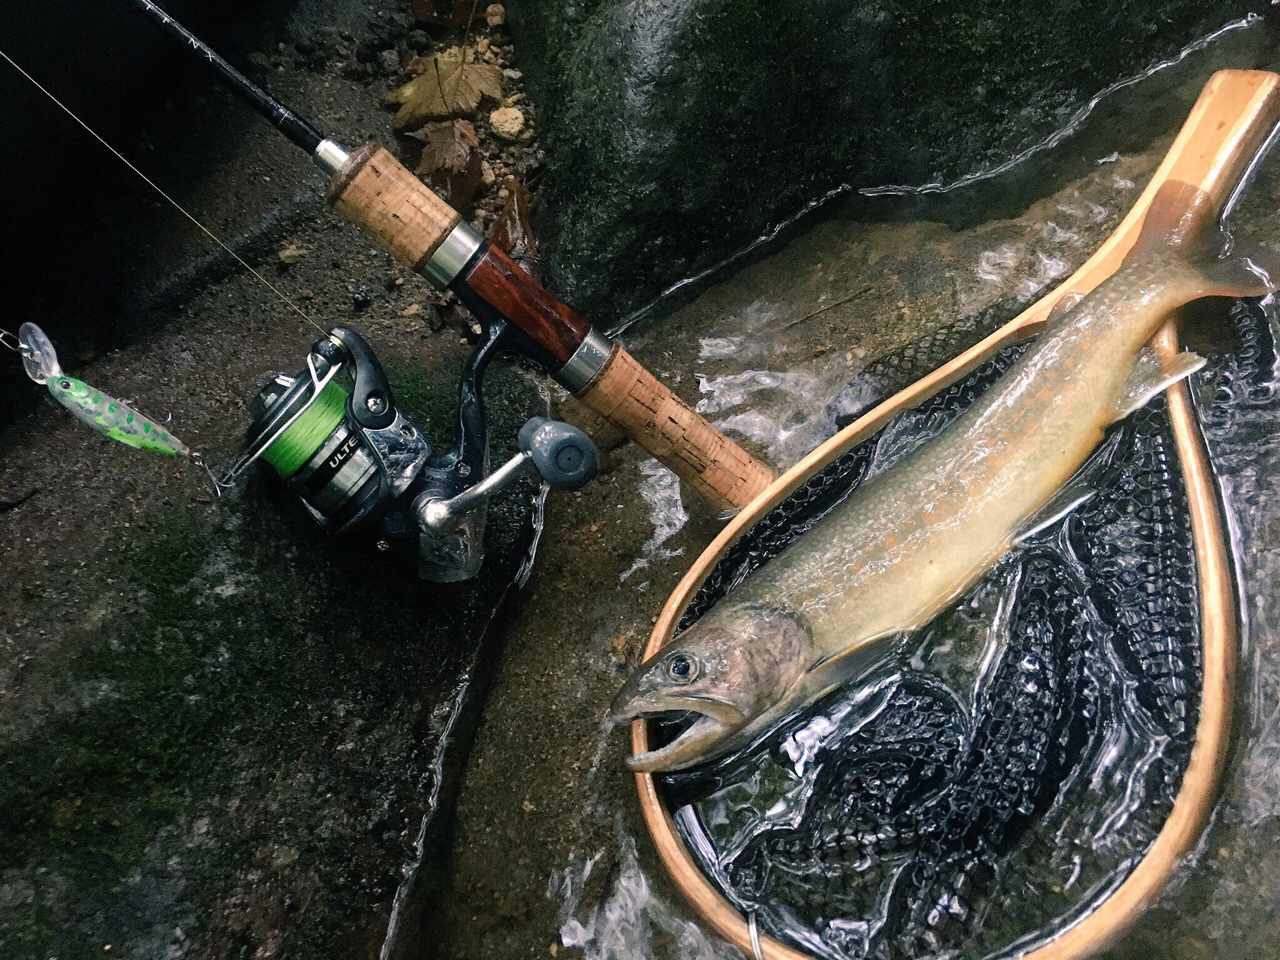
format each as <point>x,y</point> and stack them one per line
<point>381,196</point>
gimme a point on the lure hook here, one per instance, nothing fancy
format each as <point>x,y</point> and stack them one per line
<point>218,485</point>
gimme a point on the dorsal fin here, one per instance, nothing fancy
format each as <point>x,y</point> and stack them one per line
<point>1065,304</point>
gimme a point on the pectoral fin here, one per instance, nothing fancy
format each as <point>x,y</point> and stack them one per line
<point>846,667</point>
<point>1060,504</point>
<point>1151,375</point>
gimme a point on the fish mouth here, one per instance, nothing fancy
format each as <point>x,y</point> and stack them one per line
<point>717,721</point>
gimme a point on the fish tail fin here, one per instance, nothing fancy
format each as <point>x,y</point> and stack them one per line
<point>1247,271</point>
<point>1181,217</point>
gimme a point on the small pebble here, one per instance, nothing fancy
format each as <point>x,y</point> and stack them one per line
<point>495,14</point>
<point>362,299</point>
<point>412,310</point>
<point>389,60</point>
<point>290,255</point>
<point>507,122</point>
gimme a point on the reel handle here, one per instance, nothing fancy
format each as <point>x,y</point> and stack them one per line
<point>377,193</point>
<point>564,455</point>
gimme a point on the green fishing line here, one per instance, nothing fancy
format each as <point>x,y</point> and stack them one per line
<point>296,445</point>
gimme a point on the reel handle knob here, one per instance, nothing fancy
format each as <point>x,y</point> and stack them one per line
<point>564,455</point>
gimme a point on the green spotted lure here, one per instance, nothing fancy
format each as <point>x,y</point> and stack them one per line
<point>104,413</point>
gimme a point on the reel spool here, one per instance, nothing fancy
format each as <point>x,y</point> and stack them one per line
<point>320,457</point>
<point>358,463</point>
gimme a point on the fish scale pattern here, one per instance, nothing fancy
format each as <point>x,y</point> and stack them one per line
<point>910,819</point>
<point>821,493</point>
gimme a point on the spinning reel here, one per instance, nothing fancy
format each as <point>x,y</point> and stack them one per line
<point>359,464</point>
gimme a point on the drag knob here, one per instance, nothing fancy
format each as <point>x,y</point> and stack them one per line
<point>564,455</point>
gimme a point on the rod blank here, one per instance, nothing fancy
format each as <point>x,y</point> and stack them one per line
<point>292,125</point>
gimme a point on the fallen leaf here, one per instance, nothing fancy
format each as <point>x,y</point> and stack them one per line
<point>450,161</point>
<point>446,86</point>
<point>446,145</point>
<point>512,231</point>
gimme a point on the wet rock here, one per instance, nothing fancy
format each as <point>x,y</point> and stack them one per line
<point>222,732</point>
<point>677,131</point>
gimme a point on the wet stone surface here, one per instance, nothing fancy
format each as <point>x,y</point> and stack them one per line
<point>220,732</point>
<point>678,131</point>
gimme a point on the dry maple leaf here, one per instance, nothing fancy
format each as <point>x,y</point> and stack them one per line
<point>450,160</point>
<point>446,145</point>
<point>446,86</point>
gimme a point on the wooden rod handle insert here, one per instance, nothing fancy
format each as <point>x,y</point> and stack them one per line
<point>381,196</point>
<point>517,297</point>
<point>716,467</point>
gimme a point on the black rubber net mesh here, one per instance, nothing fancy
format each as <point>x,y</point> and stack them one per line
<point>947,821</point>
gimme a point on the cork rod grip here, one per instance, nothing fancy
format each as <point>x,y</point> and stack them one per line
<point>381,196</point>
<point>666,426</point>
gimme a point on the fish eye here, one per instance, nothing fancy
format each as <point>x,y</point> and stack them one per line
<point>682,669</point>
<point>64,384</point>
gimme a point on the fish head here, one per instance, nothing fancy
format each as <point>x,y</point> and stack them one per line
<point>70,388</point>
<point>729,670</point>
<point>38,356</point>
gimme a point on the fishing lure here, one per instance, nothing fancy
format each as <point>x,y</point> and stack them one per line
<point>108,416</point>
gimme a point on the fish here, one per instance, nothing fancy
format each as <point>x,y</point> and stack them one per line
<point>102,412</point>
<point>910,541</point>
